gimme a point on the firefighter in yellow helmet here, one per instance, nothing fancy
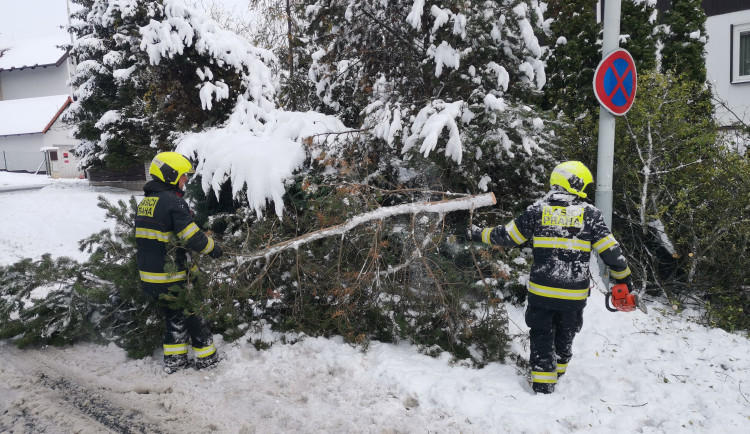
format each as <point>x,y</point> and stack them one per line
<point>562,231</point>
<point>163,216</point>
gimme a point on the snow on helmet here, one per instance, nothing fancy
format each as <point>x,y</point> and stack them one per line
<point>169,167</point>
<point>573,176</point>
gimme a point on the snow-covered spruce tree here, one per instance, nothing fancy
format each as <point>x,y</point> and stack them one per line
<point>148,70</point>
<point>41,302</point>
<point>684,39</point>
<point>446,96</point>
<point>639,32</point>
<point>575,51</point>
<point>105,49</point>
<point>450,85</point>
<point>211,74</point>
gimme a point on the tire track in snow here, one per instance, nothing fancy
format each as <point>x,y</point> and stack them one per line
<point>98,408</point>
<point>39,398</point>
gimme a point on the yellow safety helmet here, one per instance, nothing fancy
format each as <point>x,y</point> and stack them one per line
<point>573,176</point>
<point>169,167</point>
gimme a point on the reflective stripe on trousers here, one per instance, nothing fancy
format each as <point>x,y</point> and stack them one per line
<point>204,352</point>
<point>175,349</point>
<point>543,377</point>
<point>561,293</point>
<point>162,277</point>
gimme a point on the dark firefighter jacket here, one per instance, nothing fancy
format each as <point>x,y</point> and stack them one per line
<point>164,220</point>
<point>562,230</point>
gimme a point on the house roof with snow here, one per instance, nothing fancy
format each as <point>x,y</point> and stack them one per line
<point>31,115</point>
<point>32,54</point>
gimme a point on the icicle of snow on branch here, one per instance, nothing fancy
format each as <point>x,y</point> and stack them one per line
<point>384,120</point>
<point>527,31</point>
<point>415,16</point>
<point>429,124</point>
<point>532,67</point>
<point>444,55</point>
<point>110,117</point>
<point>503,78</point>
<point>493,103</point>
<point>441,17</point>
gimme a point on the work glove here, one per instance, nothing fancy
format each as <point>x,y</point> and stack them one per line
<point>216,252</point>
<point>474,234</point>
<point>629,282</point>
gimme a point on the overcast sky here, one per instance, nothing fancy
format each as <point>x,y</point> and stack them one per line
<point>23,20</point>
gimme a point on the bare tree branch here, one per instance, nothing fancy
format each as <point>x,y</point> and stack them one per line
<point>443,206</point>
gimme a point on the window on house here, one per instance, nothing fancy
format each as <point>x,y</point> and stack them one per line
<point>744,53</point>
<point>741,53</point>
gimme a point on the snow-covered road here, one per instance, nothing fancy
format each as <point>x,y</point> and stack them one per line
<point>42,391</point>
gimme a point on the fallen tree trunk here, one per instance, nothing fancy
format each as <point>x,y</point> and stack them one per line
<point>441,207</point>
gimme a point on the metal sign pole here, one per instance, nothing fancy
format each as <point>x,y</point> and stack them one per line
<point>606,152</point>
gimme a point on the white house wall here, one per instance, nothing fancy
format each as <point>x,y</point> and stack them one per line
<point>32,83</point>
<point>58,135</point>
<point>718,61</point>
<point>22,153</point>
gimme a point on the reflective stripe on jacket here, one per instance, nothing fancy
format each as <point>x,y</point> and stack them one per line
<point>562,231</point>
<point>163,217</point>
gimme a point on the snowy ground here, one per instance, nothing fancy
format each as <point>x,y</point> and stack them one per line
<point>655,373</point>
<point>51,219</point>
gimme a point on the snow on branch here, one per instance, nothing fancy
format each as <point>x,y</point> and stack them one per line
<point>183,27</point>
<point>415,16</point>
<point>429,124</point>
<point>260,160</point>
<point>441,207</point>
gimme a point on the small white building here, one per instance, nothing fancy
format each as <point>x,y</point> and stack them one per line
<point>34,93</point>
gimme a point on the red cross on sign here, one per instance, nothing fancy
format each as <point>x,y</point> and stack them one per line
<point>615,82</point>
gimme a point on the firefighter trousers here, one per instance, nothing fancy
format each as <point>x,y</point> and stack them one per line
<point>551,334</point>
<point>180,327</point>
<point>180,332</point>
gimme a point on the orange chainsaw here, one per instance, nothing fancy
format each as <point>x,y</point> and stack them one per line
<point>623,300</point>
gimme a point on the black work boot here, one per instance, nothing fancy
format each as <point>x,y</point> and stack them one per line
<point>543,387</point>
<point>208,362</point>
<point>175,362</point>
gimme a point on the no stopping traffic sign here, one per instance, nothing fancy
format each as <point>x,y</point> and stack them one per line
<point>615,82</point>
